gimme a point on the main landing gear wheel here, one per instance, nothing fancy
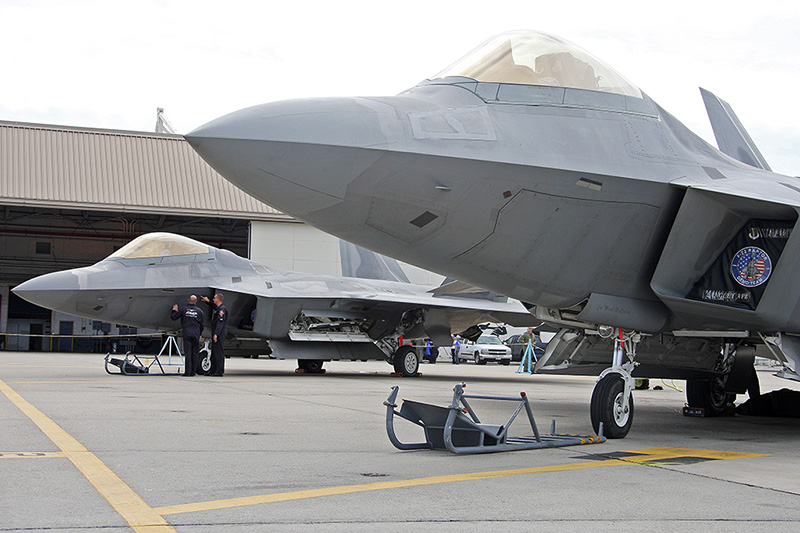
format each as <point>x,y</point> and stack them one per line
<point>406,362</point>
<point>311,366</point>
<point>709,394</point>
<point>753,387</point>
<point>607,407</point>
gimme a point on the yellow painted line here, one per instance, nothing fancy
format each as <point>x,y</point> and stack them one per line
<point>646,455</point>
<point>30,455</point>
<point>140,516</point>
<point>383,485</point>
<point>656,454</point>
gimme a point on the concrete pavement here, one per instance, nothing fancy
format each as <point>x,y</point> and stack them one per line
<point>265,448</point>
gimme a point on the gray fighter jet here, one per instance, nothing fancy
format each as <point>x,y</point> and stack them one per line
<point>533,169</point>
<point>312,318</point>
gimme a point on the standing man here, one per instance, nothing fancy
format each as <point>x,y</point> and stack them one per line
<point>192,326</point>
<point>219,321</point>
<point>455,349</point>
<point>528,336</point>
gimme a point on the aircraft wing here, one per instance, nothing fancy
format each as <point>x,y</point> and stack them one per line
<point>784,190</point>
<point>361,297</point>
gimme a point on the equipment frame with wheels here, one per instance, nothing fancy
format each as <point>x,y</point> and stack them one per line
<point>457,428</point>
<point>132,364</point>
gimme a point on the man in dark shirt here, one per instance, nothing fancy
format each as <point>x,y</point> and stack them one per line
<point>219,321</point>
<point>192,326</point>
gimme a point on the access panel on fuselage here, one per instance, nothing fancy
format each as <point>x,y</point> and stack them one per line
<point>566,248</point>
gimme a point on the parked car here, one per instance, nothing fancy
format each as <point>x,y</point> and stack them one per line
<point>518,348</point>
<point>486,348</point>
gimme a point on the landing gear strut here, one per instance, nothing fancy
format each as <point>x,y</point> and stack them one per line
<point>612,398</point>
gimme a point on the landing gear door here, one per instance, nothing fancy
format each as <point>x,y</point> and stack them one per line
<point>561,349</point>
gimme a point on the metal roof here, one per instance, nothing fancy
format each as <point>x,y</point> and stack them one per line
<point>139,172</point>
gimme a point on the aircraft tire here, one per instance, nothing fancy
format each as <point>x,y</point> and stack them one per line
<point>406,361</point>
<point>205,362</point>
<point>753,386</point>
<point>606,407</point>
<point>311,366</point>
<point>708,394</point>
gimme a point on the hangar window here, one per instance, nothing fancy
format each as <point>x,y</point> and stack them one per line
<point>533,58</point>
<point>160,245</point>
<point>42,248</point>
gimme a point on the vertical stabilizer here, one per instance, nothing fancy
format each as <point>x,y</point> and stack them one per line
<point>732,138</point>
<point>358,262</point>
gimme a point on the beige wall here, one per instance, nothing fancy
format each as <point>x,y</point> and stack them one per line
<point>302,248</point>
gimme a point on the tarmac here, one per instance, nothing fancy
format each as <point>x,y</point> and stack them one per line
<point>264,448</point>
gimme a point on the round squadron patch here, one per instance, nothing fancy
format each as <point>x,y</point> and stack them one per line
<point>751,266</point>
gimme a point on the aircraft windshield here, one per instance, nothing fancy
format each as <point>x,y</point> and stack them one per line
<point>532,58</point>
<point>160,245</point>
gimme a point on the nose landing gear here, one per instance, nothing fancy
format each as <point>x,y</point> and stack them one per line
<point>612,398</point>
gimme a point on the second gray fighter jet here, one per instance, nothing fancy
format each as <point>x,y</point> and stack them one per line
<point>309,317</point>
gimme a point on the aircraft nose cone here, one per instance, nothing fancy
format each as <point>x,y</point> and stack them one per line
<point>50,290</point>
<point>300,155</point>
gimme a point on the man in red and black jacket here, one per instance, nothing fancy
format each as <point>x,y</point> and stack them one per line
<point>219,321</point>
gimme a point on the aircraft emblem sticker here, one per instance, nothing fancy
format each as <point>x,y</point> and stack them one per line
<point>751,266</point>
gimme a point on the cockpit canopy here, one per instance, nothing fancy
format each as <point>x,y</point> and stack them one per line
<point>533,58</point>
<point>152,245</point>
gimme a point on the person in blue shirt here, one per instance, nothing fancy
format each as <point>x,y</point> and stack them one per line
<point>454,351</point>
<point>431,352</point>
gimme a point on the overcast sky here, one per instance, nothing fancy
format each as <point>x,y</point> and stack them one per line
<point>111,63</point>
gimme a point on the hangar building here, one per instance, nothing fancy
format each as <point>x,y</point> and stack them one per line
<point>71,196</point>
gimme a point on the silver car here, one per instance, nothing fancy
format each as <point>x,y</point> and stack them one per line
<point>486,348</point>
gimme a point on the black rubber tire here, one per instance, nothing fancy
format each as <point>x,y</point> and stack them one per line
<point>406,361</point>
<point>708,394</point>
<point>753,386</point>
<point>606,408</point>
<point>205,361</point>
<point>312,366</point>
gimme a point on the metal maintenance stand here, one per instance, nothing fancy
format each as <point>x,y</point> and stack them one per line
<point>528,358</point>
<point>133,365</point>
<point>449,428</point>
